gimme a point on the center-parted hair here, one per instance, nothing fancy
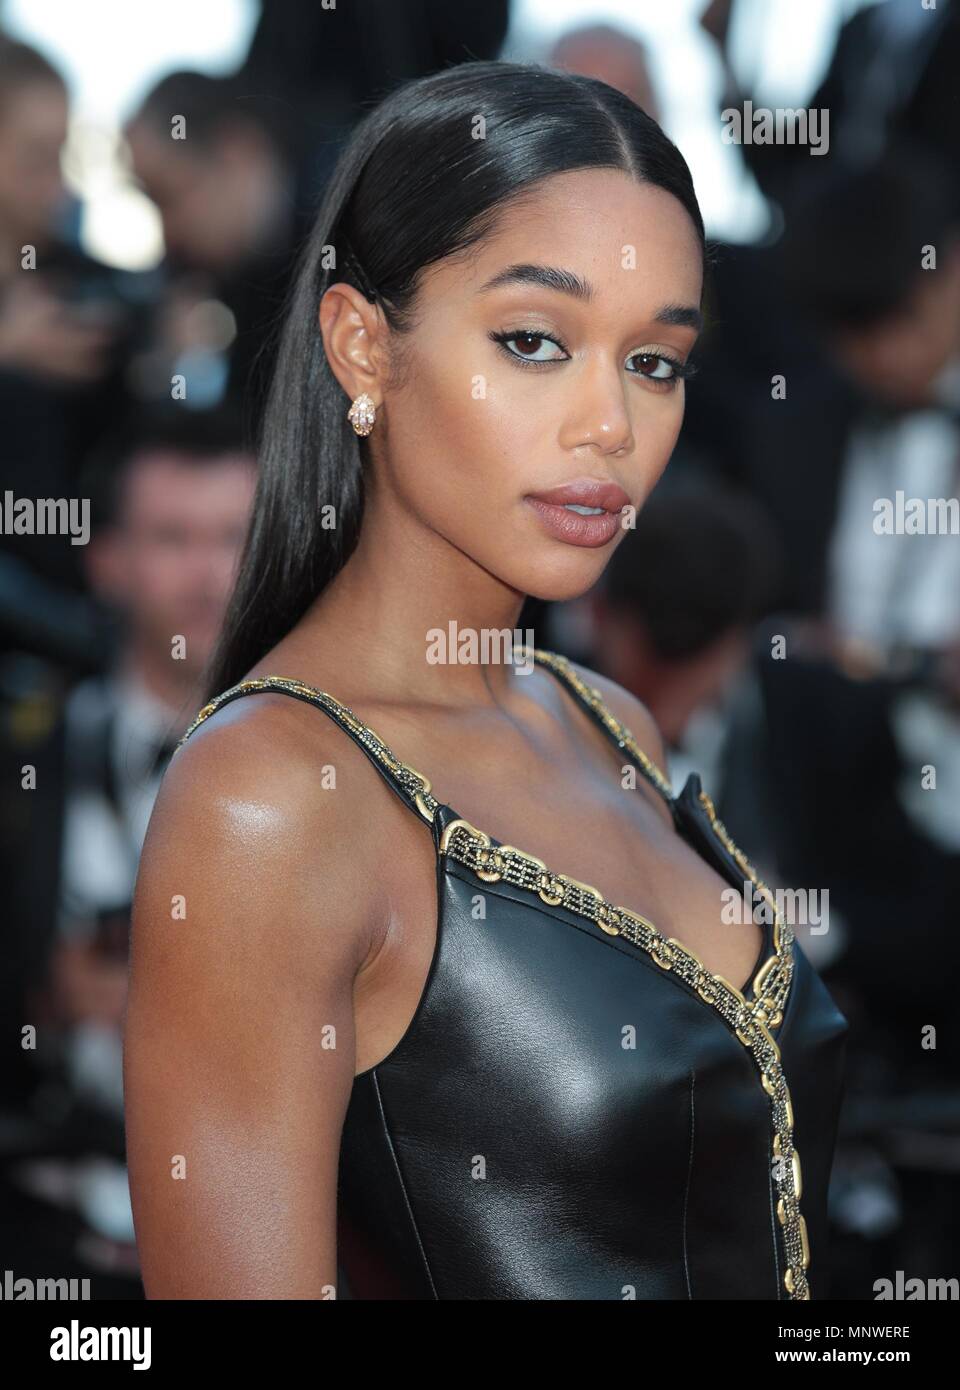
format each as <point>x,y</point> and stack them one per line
<point>425,175</point>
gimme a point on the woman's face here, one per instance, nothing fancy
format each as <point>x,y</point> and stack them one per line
<point>512,388</point>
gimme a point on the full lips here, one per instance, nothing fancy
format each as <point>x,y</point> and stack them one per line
<point>574,528</point>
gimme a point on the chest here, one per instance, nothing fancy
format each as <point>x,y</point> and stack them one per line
<point>615,833</point>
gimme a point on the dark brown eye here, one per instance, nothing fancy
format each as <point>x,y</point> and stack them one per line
<point>528,342</point>
<point>530,347</point>
<point>651,364</point>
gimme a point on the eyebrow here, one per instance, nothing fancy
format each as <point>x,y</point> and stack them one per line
<point>550,277</point>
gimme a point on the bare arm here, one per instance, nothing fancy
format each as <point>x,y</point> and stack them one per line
<point>250,924</point>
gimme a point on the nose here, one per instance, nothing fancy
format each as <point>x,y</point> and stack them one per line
<point>598,413</point>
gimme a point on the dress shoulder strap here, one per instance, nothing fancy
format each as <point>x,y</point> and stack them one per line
<point>618,733</point>
<point>411,786</point>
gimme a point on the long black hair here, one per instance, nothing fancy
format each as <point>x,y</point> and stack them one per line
<point>424,175</point>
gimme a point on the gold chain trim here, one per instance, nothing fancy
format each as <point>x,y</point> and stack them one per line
<point>412,783</point>
<point>776,983</point>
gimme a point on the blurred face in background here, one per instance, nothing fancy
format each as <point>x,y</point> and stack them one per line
<point>210,198</point>
<point>33,129</point>
<point>674,688</point>
<point>899,359</point>
<point>612,56</point>
<point>169,563</point>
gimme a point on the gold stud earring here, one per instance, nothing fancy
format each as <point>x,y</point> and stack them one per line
<point>362,414</point>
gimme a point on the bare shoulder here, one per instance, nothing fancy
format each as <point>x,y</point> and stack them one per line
<point>252,801</point>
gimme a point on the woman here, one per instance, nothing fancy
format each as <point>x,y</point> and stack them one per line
<point>417,1024</point>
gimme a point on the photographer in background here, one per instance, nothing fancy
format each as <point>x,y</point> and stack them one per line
<point>225,185</point>
<point>66,326</point>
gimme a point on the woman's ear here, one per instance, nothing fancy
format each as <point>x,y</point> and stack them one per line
<point>353,332</point>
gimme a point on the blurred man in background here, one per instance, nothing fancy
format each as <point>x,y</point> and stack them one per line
<point>174,500</point>
<point>872,255</point>
<point>680,598</point>
<point>872,259</point>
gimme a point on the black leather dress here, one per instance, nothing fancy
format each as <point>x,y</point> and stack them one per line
<point>579,1109</point>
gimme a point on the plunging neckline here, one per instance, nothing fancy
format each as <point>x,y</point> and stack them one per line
<point>767,953</point>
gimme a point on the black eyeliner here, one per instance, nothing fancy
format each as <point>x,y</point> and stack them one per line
<point>682,371</point>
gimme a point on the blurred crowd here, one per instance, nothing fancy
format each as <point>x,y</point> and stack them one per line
<point>807,665</point>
